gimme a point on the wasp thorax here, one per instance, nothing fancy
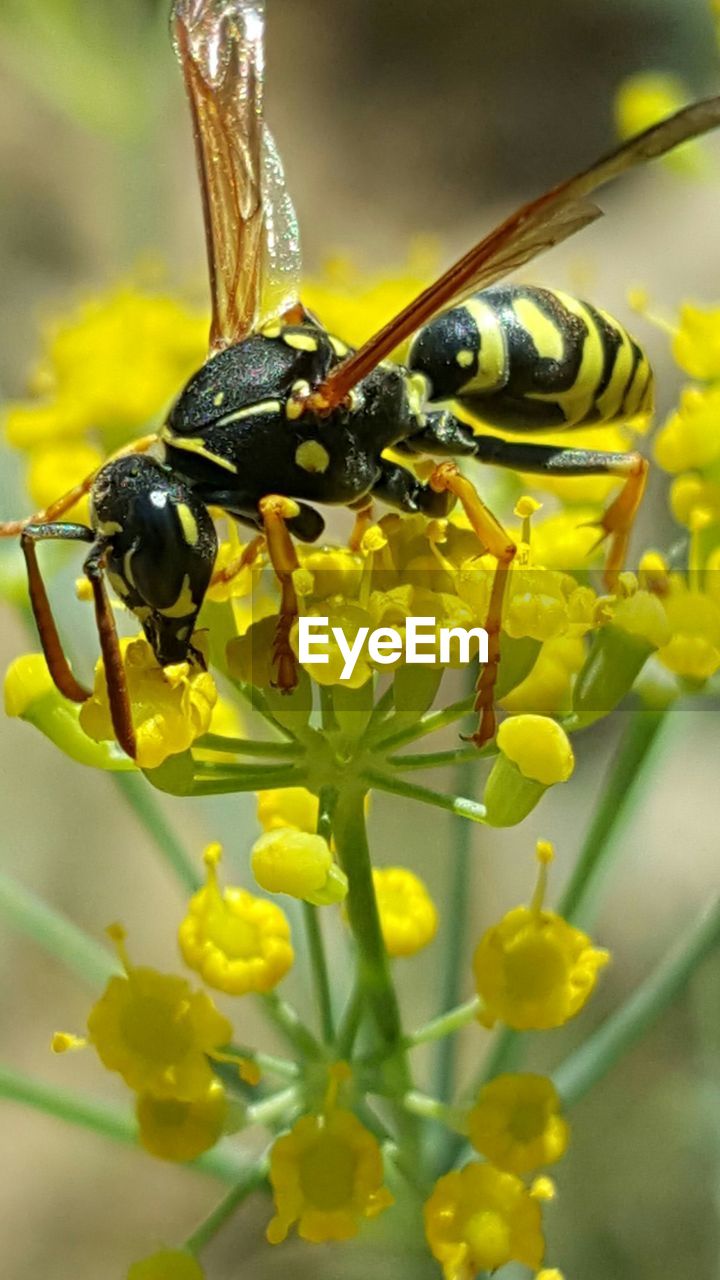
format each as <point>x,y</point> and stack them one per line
<point>160,548</point>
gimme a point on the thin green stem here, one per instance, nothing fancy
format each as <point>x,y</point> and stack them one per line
<point>459,805</point>
<point>311,918</point>
<point>447,1024</point>
<point>248,746</point>
<point>318,964</point>
<point>381,710</point>
<point>58,936</point>
<point>209,1228</point>
<point>274,1108</point>
<point>144,804</point>
<point>259,703</point>
<point>106,1119</point>
<point>226,781</point>
<point>289,1024</point>
<point>350,1022</point>
<point>429,723</point>
<point>420,1104</point>
<point>606,1046</point>
<point>619,794</point>
<point>442,759</point>
<point>457,909</point>
<point>268,1063</point>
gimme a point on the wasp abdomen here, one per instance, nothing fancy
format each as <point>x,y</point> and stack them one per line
<point>524,358</point>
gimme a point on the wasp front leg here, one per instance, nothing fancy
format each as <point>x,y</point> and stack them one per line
<point>446,479</point>
<point>276,512</point>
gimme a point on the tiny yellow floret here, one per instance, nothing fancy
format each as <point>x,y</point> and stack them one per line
<point>237,942</point>
<point>538,746</point>
<point>534,970</point>
<point>169,1264</point>
<point>156,1031</point>
<point>171,1129</point>
<point>288,807</point>
<point>171,706</point>
<point>479,1218</point>
<point>516,1123</point>
<point>286,860</point>
<point>326,1173</point>
<point>408,915</point>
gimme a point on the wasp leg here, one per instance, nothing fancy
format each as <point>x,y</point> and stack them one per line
<point>276,512</point>
<point>13,528</point>
<point>401,489</point>
<point>447,479</point>
<point>446,434</point>
<point>115,677</point>
<point>363,509</point>
<point>247,556</point>
<point>58,665</point>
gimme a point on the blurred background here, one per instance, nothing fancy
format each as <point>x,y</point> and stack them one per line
<point>419,117</point>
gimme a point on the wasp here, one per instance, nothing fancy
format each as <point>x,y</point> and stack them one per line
<point>284,417</point>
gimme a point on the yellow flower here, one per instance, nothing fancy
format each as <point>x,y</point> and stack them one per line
<point>236,942</point>
<point>326,1174</point>
<point>538,746</point>
<point>169,1264</point>
<point>110,367</point>
<point>693,649</point>
<point>172,1129</point>
<point>56,468</point>
<point>516,1123</point>
<point>156,1032</point>
<point>171,706</point>
<point>645,98</point>
<point>533,970</point>
<point>288,807</point>
<point>408,916</point>
<point>299,863</point>
<point>690,493</point>
<point>480,1218</point>
<point>696,345</point>
<point>690,439</point>
<point>547,689</point>
<point>642,614</point>
<point>350,618</point>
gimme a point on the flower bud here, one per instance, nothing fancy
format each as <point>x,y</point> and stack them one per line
<point>300,864</point>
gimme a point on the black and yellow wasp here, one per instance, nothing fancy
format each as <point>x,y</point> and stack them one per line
<point>284,416</point>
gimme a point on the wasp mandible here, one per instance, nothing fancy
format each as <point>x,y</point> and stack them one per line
<point>284,416</point>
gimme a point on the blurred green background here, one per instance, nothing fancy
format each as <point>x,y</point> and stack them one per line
<point>415,116</point>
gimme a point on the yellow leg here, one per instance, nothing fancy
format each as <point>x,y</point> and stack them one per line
<point>57,509</point>
<point>616,523</point>
<point>247,556</point>
<point>363,520</point>
<point>274,511</point>
<point>447,478</point>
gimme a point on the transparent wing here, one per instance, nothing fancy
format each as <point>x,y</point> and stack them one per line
<point>250,225</point>
<point>281,258</point>
<point>529,231</point>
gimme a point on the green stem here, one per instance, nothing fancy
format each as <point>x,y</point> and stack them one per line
<point>318,964</point>
<point>288,1023</point>
<point>311,917</point>
<point>618,795</point>
<point>420,1104</point>
<point>446,1024</point>
<point>624,1028</point>
<point>459,805</point>
<point>381,710</point>
<point>443,759</point>
<point>274,1108</point>
<point>250,1182</point>
<point>106,1119</point>
<point>429,723</point>
<point>350,1021</point>
<point>141,799</point>
<point>210,782</point>
<point>248,746</point>
<point>58,936</point>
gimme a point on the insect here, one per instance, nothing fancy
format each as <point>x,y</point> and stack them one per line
<point>284,416</point>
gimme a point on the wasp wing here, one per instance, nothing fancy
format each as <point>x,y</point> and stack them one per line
<point>250,228</point>
<point>529,231</point>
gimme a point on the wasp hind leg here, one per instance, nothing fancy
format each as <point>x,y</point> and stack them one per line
<point>279,515</point>
<point>58,665</point>
<point>446,434</point>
